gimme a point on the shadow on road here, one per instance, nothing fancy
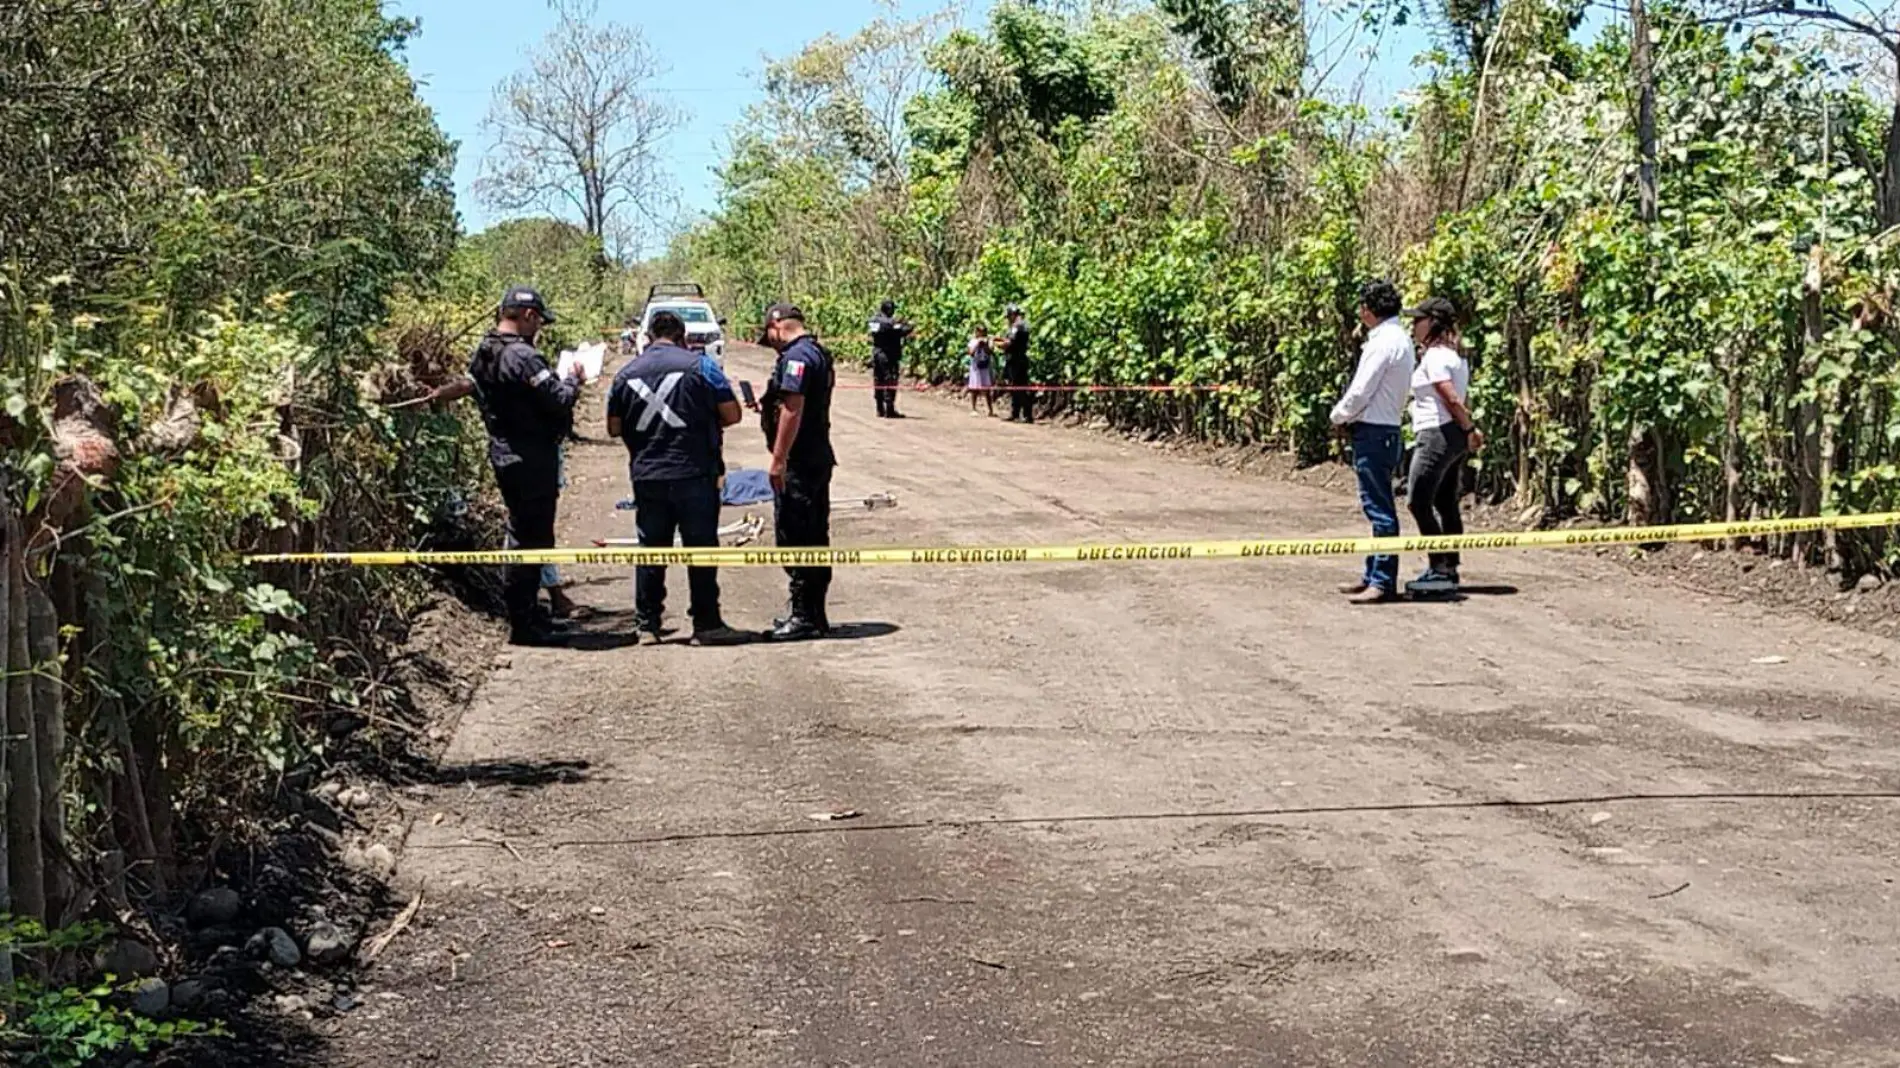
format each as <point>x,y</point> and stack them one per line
<point>509,773</point>
<point>857,632</point>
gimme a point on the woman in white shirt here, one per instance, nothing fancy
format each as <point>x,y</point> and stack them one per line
<point>1442,428</point>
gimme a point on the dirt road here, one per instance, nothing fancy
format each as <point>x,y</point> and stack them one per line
<point>1194,814</point>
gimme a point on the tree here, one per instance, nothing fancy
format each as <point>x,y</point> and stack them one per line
<point>579,128</point>
<point>1878,26</point>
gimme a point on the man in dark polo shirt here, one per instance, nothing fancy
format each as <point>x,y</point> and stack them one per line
<point>670,404</point>
<point>888,334</point>
<point>1022,402</point>
<point>796,411</point>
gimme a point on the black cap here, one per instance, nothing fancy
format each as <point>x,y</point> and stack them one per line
<point>887,307</point>
<point>524,297</point>
<point>778,313</point>
<point>1437,309</point>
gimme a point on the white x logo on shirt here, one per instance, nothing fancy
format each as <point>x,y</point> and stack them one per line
<point>657,406</point>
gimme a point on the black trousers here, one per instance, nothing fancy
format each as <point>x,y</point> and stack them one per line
<point>802,519</point>
<point>690,508</point>
<point>1436,482</point>
<point>1022,402</point>
<point>532,495</point>
<point>884,376</point>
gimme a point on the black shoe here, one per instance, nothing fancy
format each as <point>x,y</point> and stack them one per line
<point>895,415</point>
<point>797,629</point>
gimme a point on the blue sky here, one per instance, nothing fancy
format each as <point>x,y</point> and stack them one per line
<point>717,51</point>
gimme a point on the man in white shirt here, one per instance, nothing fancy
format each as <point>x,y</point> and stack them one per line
<point>1371,412</point>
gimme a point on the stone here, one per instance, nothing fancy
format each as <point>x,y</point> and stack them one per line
<point>188,994</point>
<point>129,959</point>
<point>328,944</point>
<point>215,907</point>
<point>275,945</point>
<point>151,997</point>
<point>1600,819</point>
<point>1868,583</point>
<point>380,859</point>
<point>290,1004</point>
<point>1465,955</point>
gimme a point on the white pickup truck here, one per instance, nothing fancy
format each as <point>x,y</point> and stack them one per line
<point>705,330</point>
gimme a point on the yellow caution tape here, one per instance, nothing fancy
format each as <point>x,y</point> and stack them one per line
<point>1103,554</point>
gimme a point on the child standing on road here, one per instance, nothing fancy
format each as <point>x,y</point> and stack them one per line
<point>982,380</point>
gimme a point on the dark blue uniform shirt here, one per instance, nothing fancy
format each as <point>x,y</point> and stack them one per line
<point>667,400</point>
<point>805,369</point>
<point>527,408</point>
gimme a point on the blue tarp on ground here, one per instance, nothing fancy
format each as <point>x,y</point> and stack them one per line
<point>744,486</point>
<point>747,486</point>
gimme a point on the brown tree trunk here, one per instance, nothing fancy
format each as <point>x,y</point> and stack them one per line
<point>49,709</point>
<point>1732,443</point>
<point>9,533</point>
<point>1645,490</point>
<point>1807,415</point>
<point>1517,341</point>
<point>1887,189</point>
<point>1647,479</point>
<point>1643,71</point>
<point>26,858</point>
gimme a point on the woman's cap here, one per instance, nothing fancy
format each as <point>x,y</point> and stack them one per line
<point>1437,309</point>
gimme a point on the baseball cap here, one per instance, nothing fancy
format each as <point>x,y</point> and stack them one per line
<point>779,313</point>
<point>1013,309</point>
<point>524,297</point>
<point>1437,309</point>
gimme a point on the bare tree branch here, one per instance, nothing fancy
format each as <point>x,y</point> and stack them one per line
<point>579,128</point>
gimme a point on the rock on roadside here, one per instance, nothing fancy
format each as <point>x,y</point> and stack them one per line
<point>328,944</point>
<point>128,959</point>
<point>151,997</point>
<point>275,945</point>
<point>188,994</point>
<point>216,907</point>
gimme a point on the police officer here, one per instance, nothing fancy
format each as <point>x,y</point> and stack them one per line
<point>528,411</point>
<point>1022,402</point>
<point>888,335</point>
<point>796,412</point>
<point>669,405</point>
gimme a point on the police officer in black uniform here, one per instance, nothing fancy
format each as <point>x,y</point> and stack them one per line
<point>796,412</point>
<point>888,335</point>
<point>1022,402</point>
<point>669,405</point>
<point>529,411</point>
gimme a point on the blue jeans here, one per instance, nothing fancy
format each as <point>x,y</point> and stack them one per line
<point>1376,452</point>
<point>689,506</point>
<point>550,576</point>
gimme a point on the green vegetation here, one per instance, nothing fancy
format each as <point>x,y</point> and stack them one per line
<point>214,207</point>
<point>1174,197</point>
